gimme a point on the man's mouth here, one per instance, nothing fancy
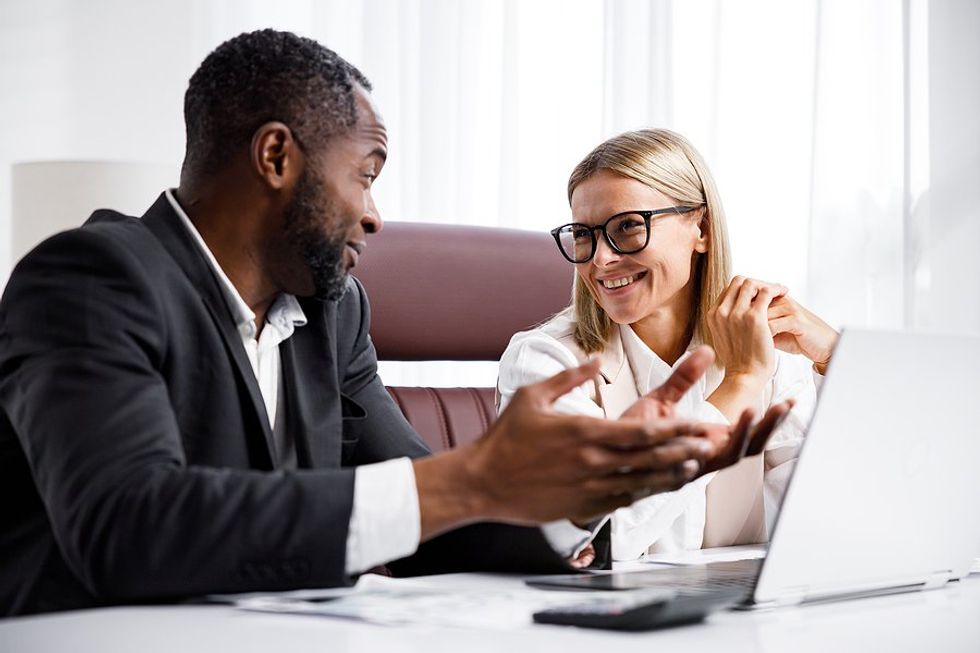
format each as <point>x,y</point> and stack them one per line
<point>353,252</point>
<point>621,282</point>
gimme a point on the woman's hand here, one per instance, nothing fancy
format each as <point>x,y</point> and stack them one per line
<point>739,328</point>
<point>798,331</point>
<point>740,331</point>
<point>585,557</point>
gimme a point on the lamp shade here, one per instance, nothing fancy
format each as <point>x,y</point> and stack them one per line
<point>51,196</point>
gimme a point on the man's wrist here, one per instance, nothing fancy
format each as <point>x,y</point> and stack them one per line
<point>451,492</point>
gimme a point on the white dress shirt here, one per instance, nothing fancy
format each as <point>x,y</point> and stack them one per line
<point>669,521</point>
<point>385,523</point>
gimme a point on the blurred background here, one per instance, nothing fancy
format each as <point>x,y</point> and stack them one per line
<point>844,136</point>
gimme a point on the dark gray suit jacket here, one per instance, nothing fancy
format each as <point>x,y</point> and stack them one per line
<point>136,459</point>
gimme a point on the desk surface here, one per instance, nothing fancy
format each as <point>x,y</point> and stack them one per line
<point>945,620</point>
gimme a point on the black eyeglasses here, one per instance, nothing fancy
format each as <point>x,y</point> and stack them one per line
<point>626,233</point>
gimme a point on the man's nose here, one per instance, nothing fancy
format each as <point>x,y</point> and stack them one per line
<point>371,220</point>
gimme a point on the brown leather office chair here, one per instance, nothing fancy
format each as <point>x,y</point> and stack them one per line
<point>450,292</point>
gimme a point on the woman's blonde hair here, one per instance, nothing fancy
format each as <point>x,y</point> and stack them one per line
<point>667,162</point>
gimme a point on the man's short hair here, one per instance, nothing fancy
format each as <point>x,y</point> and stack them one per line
<point>264,76</point>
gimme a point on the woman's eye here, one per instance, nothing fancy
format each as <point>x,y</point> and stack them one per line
<point>581,234</point>
<point>627,226</point>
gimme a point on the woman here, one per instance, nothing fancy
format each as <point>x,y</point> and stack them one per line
<point>653,283</point>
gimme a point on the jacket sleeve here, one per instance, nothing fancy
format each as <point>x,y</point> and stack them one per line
<point>82,345</point>
<point>373,417</point>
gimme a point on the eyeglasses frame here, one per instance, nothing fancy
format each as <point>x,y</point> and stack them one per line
<point>646,215</point>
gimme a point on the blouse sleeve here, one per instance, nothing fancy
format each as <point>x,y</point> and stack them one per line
<point>534,356</point>
<point>794,379</point>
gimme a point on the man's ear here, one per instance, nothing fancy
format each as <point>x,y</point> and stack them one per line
<point>701,244</point>
<point>275,155</point>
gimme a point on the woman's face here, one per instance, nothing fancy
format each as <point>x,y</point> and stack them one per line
<point>659,276</point>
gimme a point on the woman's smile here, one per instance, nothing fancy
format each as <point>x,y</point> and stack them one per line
<point>620,285</point>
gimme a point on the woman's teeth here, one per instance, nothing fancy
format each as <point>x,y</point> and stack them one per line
<point>619,283</point>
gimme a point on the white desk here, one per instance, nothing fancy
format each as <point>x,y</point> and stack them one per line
<point>940,621</point>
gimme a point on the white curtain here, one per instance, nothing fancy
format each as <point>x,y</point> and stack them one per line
<point>845,137</point>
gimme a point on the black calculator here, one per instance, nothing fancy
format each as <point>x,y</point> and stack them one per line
<point>639,609</point>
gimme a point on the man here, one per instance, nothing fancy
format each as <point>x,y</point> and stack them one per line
<point>190,401</point>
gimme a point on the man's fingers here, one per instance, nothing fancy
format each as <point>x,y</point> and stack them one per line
<point>601,460</point>
<point>767,425</point>
<point>685,376</point>
<point>632,433</point>
<point>640,484</point>
<point>738,443</point>
<point>741,434</point>
<point>562,383</point>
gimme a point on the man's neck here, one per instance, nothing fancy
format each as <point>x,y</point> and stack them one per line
<point>226,231</point>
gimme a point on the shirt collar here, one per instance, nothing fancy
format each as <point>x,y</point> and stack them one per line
<point>285,312</point>
<point>649,370</point>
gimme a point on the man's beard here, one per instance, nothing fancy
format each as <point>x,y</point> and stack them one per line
<point>323,254</point>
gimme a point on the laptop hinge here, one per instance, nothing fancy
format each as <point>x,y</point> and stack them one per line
<point>937,579</point>
<point>790,596</point>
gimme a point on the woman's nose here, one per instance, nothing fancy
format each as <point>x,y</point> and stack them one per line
<point>604,253</point>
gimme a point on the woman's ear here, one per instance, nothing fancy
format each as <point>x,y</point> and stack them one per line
<point>701,244</point>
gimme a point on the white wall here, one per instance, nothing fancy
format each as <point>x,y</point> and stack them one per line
<point>91,80</point>
<point>949,296</point>
<point>796,106</point>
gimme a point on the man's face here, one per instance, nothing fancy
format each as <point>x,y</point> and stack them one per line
<point>332,210</point>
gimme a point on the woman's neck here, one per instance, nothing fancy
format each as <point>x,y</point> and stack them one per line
<point>668,331</point>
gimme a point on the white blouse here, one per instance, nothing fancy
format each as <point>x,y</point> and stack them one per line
<point>669,521</point>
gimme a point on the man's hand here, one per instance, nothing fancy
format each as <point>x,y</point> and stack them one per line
<point>535,465</point>
<point>660,402</point>
<point>730,443</point>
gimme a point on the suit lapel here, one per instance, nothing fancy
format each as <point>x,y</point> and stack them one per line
<point>309,376</point>
<point>167,227</point>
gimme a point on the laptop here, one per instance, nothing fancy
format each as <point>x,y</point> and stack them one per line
<point>883,496</point>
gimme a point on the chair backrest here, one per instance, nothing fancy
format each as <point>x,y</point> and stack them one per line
<point>451,292</point>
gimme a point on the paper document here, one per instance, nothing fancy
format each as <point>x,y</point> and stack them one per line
<point>469,600</point>
<point>698,556</point>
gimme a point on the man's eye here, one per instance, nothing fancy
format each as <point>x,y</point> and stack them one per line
<point>580,233</point>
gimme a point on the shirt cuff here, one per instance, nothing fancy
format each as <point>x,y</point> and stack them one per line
<point>384,522</point>
<point>567,539</point>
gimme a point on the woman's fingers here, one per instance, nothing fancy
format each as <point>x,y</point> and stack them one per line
<point>726,301</point>
<point>747,293</point>
<point>788,324</point>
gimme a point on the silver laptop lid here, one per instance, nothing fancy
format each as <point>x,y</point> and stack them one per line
<point>885,491</point>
